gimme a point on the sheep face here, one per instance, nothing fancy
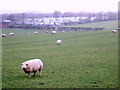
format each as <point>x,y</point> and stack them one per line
<point>24,66</point>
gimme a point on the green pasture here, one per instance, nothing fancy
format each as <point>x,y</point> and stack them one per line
<point>105,24</point>
<point>83,60</point>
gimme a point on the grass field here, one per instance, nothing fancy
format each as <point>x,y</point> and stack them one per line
<point>83,60</point>
<point>105,24</point>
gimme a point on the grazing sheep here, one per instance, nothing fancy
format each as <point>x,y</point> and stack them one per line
<point>63,31</point>
<point>35,32</point>
<point>33,65</point>
<point>114,31</point>
<point>3,35</point>
<point>59,42</point>
<point>46,31</point>
<point>28,33</point>
<point>11,34</point>
<point>53,32</point>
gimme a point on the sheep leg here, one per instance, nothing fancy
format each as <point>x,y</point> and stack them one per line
<point>34,74</point>
<point>28,75</point>
<point>40,71</point>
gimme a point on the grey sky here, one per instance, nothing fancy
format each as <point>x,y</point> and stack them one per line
<point>49,6</point>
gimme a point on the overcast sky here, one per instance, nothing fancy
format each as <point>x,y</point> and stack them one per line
<point>49,6</point>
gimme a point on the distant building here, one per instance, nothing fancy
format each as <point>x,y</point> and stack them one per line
<point>5,23</point>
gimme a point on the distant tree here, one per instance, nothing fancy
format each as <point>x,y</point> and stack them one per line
<point>22,17</point>
<point>68,14</point>
<point>4,16</point>
<point>111,15</point>
<point>11,17</point>
<point>56,14</point>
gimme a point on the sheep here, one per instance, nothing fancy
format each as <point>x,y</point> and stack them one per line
<point>114,31</point>
<point>35,32</point>
<point>46,31</point>
<point>3,35</point>
<point>53,32</point>
<point>33,65</point>
<point>11,34</point>
<point>59,42</point>
<point>28,33</point>
<point>63,31</point>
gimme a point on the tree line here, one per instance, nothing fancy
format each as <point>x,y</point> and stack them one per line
<point>14,18</point>
<point>56,14</point>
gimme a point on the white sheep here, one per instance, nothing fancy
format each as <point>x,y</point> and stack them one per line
<point>11,34</point>
<point>59,42</point>
<point>114,31</point>
<point>35,32</point>
<point>3,35</point>
<point>53,32</point>
<point>28,33</point>
<point>46,31</point>
<point>33,65</point>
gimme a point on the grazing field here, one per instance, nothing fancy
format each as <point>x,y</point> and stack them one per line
<point>106,24</point>
<point>83,60</point>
